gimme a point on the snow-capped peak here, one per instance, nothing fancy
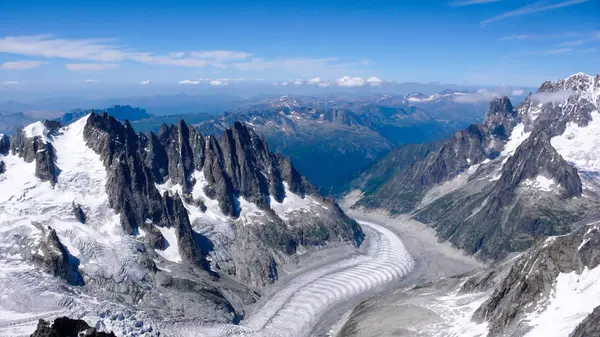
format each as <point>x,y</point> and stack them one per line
<point>37,129</point>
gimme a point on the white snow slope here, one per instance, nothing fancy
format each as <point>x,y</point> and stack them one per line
<point>99,244</point>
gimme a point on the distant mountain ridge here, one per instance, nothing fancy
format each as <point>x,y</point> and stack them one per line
<point>345,134</point>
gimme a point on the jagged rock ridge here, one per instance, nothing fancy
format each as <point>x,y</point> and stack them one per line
<point>236,165</point>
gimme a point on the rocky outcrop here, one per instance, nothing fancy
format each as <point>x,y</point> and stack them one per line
<point>533,276</point>
<point>535,157</point>
<point>52,256</point>
<point>2,167</point>
<point>78,212</point>
<point>67,327</point>
<point>34,147</point>
<point>4,144</point>
<point>501,117</point>
<point>590,326</point>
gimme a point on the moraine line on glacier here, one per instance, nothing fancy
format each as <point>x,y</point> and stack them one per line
<point>296,309</point>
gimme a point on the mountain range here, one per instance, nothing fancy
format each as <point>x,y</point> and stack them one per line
<point>130,218</point>
<point>346,134</point>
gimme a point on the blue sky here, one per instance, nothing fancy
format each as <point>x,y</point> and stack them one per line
<point>69,44</point>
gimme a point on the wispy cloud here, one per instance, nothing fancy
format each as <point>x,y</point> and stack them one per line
<point>572,43</point>
<point>91,81</point>
<point>299,66</point>
<point>218,83</point>
<point>20,65</point>
<point>471,2</point>
<point>542,36</point>
<point>146,82</point>
<point>518,92</point>
<point>107,51</point>
<point>557,51</point>
<point>548,97</point>
<point>539,6</point>
<point>90,66</point>
<point>11,82</point>
<point>194,82</point>
<point>482,95</point>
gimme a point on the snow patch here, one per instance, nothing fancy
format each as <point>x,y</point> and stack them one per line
<point>573,298</point>
<point>579,146</point>
<point>171,253</point>
<point>517,136</point>
<point>37,129</point>
<point>541,183</point>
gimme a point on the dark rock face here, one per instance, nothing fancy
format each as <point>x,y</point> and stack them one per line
<point>130,185</point>
<point>67,327</point>
<point>188,248</point>
<point>534,157</point>
<point>52,256</point>
<point>590,326</point>
<point>397,160</point>
<point>78,212</point>
<point>532,277</point>
<point>4,144</point>
<point>501,117</point>
<point>45,163</point>
<point>404,190</point>
<point>497,220</point>
<point>2,167</point>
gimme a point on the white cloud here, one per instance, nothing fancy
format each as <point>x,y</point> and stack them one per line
<point>471,2</point>
<point>547,97</point>
<point>189,82</point>
<point>374,81</point>
<point>539,6</point>
<point>325,84</point>
<point>350,82</point>
<point>315,80</point>
<point>218,83</point>
<point>90,66</point>
<point>12,82</point>
<point>518,92</point>
<point>284,83</point>
<point>91,81</point>
<point>19,65</point>
<point>145,82</point>
<point>298,83</point>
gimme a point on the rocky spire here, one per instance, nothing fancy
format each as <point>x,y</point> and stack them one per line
<point>500,117</point>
